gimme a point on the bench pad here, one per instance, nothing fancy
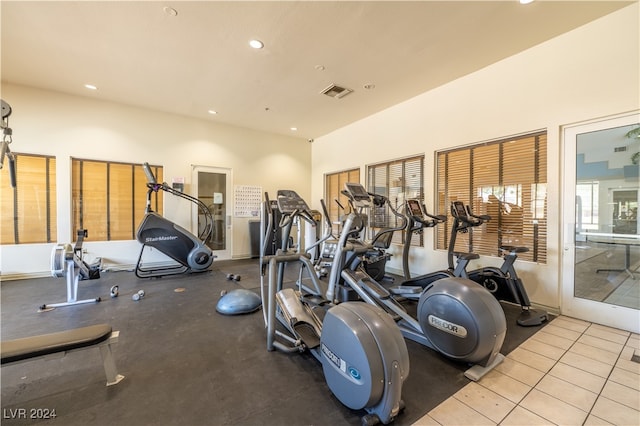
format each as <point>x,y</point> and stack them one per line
<point>46,344</point>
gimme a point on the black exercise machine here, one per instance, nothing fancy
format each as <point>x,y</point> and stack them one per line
<point>190,252</point>
<point>417,220</point>
<point>502,282</point>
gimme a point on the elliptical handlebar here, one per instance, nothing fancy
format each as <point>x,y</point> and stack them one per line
<point>378,200</point>
<point>325,212</point>
<point>359,197</point>
<point>328,231</point>
<point>396,213</point>
<point>438,218</point>
<point>417,212</point>
<point>482,217</point>
<point>288,218</point>
<point>464,216</point>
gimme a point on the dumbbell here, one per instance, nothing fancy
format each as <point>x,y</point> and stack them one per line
<point>234,277</point>
<point>137,296</point>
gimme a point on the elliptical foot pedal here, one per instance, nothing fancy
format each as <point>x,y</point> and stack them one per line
<point>410,291</point>
<point>477,372</point>
<point>306,332</point>
<point>318,305</point>
<point>532,318</point>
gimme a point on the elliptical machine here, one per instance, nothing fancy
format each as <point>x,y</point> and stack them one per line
<point>363,355</point>
<point>502,282</point>
<point>374,260</point>
<point>455,316</point>
<point>190,253</point>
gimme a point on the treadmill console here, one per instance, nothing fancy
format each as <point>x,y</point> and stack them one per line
<point>458,210</point>
<point>289,201</point>
<point>415,209</point>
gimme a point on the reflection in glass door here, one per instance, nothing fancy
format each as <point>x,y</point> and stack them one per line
<point>212,186</point>
<point>601,256</point>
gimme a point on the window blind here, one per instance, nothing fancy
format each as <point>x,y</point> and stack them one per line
<point>506,180</point>
<point>109,198</point>
<point>398,180</point>
<point>29,213</point>
<point>334,184</point>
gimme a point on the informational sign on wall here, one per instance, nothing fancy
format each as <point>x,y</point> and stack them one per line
<point>247,200</point>
<point>178,184</point>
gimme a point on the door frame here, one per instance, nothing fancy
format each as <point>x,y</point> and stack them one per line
<point>602,313</point>
<point>227,253</point>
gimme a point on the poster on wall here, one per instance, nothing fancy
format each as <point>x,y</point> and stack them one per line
<point>247,200</point>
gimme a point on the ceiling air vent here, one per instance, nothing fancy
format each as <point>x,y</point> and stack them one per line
<point>619,149</point>
<point>335,91</point>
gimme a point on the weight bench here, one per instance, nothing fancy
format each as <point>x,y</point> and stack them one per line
<point>58,344</point>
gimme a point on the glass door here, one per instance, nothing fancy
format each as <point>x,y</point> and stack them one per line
<point>601,243</point>
<point>212,186</point>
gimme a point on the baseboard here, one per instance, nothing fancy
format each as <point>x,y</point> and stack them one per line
<point>241,256</point>
<point>117,267</point>
<point>14,277</point>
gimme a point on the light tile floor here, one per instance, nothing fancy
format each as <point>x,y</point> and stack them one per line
<point>571,372</point>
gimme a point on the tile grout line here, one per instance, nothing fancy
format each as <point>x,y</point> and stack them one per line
<point>607,381</point>
<point>556,362</point>
<point>534,386</point>
<point>599,393</point>
<point>528,392</point>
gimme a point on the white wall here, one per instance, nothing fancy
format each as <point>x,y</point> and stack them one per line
<point>51,123</point>
<point>590,72</point>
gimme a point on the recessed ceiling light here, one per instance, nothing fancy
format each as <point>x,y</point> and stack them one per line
<point>212,112</point>
<point>90,87</point>
<point>369,86</point>
<point>256,44</point>
<point>294,129</point>
<point>526,1</point>
<point>170,11</point>
<point>320,67</point>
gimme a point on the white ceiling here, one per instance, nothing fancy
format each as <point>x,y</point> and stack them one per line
<point>137,54</point>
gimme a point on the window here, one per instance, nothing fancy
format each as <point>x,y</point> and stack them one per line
<point>397,180</point>
<point>334,183</point>
<point>109,198</point>
<point>29,210</point>
<point>587,204</point>
<point>506,179</point>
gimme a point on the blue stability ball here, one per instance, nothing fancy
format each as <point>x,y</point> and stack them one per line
<point>238,301</point>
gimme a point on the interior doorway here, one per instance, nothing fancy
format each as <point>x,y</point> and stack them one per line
<point>212,186</point>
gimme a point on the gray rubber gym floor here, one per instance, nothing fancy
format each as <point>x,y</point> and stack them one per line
<point>183,362</point>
